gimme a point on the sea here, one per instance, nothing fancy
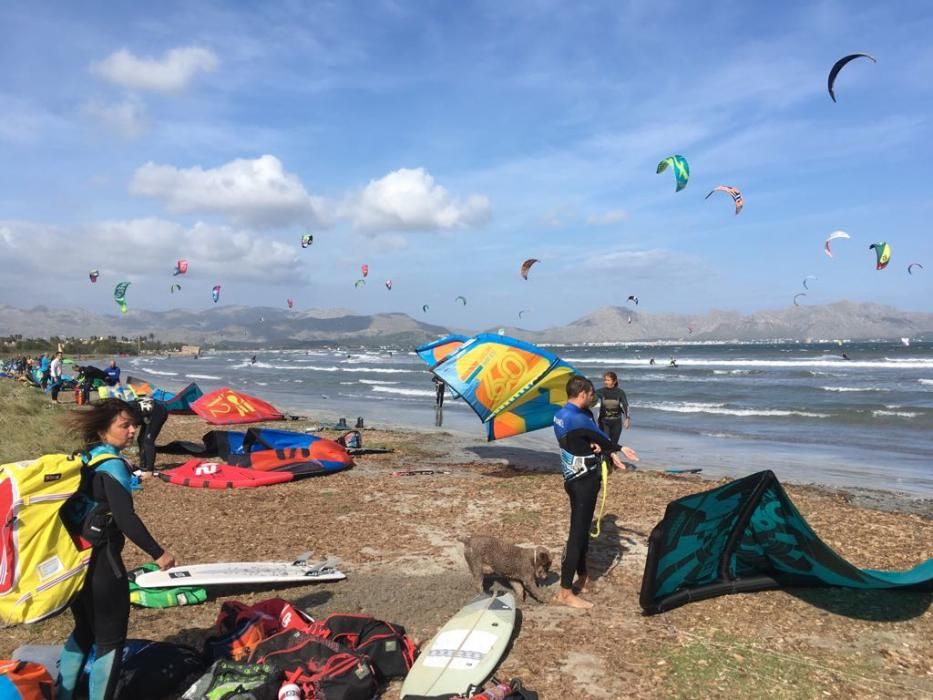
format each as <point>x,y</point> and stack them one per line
<point>730,409</point>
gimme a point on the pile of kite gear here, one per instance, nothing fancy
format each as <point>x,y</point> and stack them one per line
<point>261,649</point>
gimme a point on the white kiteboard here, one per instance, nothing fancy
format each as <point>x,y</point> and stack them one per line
<point>466,650</point>
<point>302,570</point>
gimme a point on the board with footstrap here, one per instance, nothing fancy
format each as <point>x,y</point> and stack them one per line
<point>301,570</point>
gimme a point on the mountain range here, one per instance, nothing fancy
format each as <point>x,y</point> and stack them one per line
<point>244,326</point>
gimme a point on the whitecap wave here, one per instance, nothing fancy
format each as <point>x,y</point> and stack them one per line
<point>202,376</point>
<point>161,373</point>
<point>374,381</point>
<point>802,363</point>
<point>844,389</point>
<point>720,409</point>
<point>403,392</point>
<point>895,414</point>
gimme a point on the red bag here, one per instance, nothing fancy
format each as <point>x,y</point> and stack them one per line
<point>390,651</point>
<point>25,680</point>
<point>240,627</point>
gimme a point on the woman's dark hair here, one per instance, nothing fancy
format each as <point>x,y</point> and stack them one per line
<point>577,385</point>
<point>89,424</point>
<point>611,375</point>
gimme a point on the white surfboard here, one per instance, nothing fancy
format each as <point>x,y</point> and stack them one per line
<point>239,573</point>
<point>466,650</point>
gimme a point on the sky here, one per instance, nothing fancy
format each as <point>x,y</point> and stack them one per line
<point>444,143</point>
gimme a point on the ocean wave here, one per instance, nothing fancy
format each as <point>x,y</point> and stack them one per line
<point>852,388</point>
<point>160,373</point>
<point>720,409</point>
<point>201,376</point>
<point>928,382</point>
<point>332,368</point>
<point>375,381</point>
<point>915,363</point>
<point>897,414</point>
<point>403,392</point>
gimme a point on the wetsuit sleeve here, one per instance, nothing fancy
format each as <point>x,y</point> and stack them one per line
<point>121,507</point>
<point>624,400</point>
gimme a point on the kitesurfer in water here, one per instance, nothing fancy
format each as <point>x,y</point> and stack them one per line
<point>651,362</point>
<point>613,407</point>
<point>102,608</point>
<point>673,363</point>
<point>582,447</point>
<point>845,357</point>
<point>253,360</point>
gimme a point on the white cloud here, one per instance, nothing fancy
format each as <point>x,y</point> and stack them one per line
<point>409,200</point>
<point>607,218</point>
<point>171,73</point>
<point>127,118</point>
<point>654,263</point>
<point>151,245</point>
<point>251,192</point>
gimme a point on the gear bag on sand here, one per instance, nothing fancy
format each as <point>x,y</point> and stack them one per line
<point>23,680</point>
<point>45,523</point>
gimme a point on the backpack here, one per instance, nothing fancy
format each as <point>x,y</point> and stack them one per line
<point>43,554</point>
<point>25,680</point>
<point>154,670</point>
<point>388,648</point>
<point>324,670</point>
<point>228,680</point>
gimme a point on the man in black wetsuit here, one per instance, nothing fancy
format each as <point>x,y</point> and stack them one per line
<point>613,407</point>
<point>86,376</point>
<point>583,446</point>
<point>150,416</point>
<point>439,390</point>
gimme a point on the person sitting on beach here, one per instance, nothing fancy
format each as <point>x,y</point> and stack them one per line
<point>582,447</point>
<point>112,374</point>
<point>102,608</point>
<point>613,407</point>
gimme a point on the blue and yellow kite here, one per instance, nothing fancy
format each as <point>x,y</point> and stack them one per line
<point>513,386</point>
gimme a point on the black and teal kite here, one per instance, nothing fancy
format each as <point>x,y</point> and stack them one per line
<point>748,536</point>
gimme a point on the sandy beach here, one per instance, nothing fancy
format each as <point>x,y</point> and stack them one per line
<point>397,537</point>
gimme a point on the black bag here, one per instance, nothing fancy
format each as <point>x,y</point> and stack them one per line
<point>323,669</point>
<point>229,680</point>
<point>157,670</point>
<point>389,649</point>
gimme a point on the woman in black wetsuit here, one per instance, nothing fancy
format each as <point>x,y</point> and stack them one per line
<point>613,407</point>
<point>102,608</point>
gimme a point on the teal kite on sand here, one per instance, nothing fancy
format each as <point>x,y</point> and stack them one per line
<point>748,536</point>
<point>680,167</point>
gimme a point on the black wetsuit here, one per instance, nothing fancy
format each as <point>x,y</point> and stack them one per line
<point>575,429</point>
<point>151,416</point>
<point>613,407</point>
<point>88,374</point>
<point>102,608</point>
<point>439,390</point>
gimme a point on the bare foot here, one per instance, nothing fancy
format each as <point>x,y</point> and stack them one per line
<point>581,585</point>
<point>566,597</point>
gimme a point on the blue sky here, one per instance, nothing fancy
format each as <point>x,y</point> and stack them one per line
<point>443,143</point>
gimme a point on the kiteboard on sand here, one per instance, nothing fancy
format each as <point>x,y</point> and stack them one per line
<point>302,570</point>
<point>466,650</point>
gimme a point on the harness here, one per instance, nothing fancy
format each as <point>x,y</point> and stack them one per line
<point>568,419</point>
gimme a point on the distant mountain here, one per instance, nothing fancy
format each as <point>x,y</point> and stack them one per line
<point>245,326</point>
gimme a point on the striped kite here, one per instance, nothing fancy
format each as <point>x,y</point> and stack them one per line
<point>732,192</point>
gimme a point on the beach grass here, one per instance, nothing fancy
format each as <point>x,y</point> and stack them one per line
<point>30,424</point>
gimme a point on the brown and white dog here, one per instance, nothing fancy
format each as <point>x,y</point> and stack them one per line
<point>521,565</point>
